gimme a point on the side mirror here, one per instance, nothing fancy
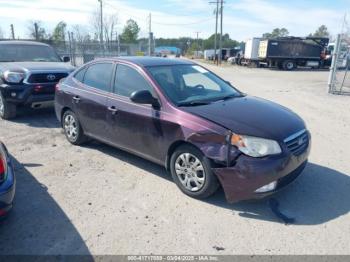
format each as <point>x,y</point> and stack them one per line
<point>66,59</point>
<point>144,97</point>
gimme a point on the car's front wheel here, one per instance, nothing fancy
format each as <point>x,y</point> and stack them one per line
<point>192,172</point>
<point>72,128</point>
<point>7,110</point>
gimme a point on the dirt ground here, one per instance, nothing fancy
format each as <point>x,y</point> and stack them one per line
<point>97,199</point>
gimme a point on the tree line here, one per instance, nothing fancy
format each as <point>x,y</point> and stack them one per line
<point>130,34</point>
<point>321,31</point>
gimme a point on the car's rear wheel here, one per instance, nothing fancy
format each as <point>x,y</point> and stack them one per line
<point>192,173</point>
<point>7,110</point>
<point>72,128</point>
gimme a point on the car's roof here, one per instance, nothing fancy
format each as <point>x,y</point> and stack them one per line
<point>152,61</point>
<point>17,42</point>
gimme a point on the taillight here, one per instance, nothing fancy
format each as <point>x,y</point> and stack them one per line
<point>2,168</point>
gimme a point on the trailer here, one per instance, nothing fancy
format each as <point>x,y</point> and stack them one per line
<point>289,52</point>
<point>209,54</point>
<point>251,53</point>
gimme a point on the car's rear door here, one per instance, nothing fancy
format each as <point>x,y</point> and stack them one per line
<point>90,99</point>
<point>134,127</point>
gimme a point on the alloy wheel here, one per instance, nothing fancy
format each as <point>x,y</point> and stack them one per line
<point>189,169</point>
<point>71,127</point>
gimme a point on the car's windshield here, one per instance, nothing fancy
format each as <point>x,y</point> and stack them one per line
<point>190,85</point>
<point>27,53</point>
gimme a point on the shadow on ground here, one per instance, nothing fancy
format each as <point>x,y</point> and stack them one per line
<point>130,159</point>
<point>39,118</point>
<point>37,225</point>
<point>319,195</point>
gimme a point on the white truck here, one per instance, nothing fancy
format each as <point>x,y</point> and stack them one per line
<point>251,52</point>
<point>209,54</point>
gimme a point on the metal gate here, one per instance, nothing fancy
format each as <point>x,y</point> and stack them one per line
<point>339,77</point>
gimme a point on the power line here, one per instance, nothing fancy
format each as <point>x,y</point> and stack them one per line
<point>185,24</point>
<point>157,22</point>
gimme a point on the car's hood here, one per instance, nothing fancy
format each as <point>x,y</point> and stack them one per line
<point>36,66</point>
<point>251,116</point>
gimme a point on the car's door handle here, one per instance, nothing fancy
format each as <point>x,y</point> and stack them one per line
<point>76,99</point>
<point>113,109</point>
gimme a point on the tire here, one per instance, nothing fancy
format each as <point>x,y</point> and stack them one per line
<point>289,65</point>
<point>72,128</point>
<point>207,183</point>
<point>7,110</point>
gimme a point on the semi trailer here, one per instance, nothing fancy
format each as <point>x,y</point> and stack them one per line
<point>289,52</point>
<point>286,52</point>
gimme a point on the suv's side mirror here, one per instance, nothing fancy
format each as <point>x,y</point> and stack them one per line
<point>66,59</point>
<point>144,97</point>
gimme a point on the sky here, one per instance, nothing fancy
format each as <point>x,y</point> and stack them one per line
<point>242,19</point>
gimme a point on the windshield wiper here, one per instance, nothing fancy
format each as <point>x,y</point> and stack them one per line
<point>229,97</point>
<point>193,103</point>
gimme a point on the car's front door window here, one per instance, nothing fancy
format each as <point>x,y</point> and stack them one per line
<point>128,80</point>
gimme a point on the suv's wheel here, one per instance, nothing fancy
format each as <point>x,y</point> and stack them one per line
<point>192,172</point>
<point>72,128</point>
<point>289,65</point>
<point>7,110</point>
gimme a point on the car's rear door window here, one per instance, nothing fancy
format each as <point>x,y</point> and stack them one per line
<point>80,75</point>
<point>99,76</point>
<point>128,80</point>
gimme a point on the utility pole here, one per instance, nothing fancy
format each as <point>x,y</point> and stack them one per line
<point>216,27</point>
<point>197,44</point>
<point>70,47</point>
<point>221,18</point>
<point>36,31</point>
<point>150,37</point>
<point>73,48</point>
<point>12,32</point>
<point>101,22</point>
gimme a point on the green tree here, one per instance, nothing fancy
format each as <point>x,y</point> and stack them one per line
<point>193,48</point>
<point>322,31</point>
<point>227,42</point>
<point>277,32</point>
<point>59,33</point>
<point>130,32</point>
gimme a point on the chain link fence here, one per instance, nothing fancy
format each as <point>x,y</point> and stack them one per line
<point>81,52</point>
<point>339,77</point>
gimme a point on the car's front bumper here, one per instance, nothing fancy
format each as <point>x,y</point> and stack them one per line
<point>248,174</point>
<point>7,188</point>
<point>27,94</point>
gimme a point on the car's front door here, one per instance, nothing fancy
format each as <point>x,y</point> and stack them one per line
<point>134,127</point>
<point>90,99</point>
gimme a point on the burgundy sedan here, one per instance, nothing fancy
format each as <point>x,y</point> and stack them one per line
<point>182,116</point>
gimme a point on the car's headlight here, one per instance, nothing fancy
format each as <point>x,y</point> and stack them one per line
<point>255,146</point>
<point>13,77</point>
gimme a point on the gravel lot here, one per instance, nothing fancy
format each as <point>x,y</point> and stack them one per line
<point>100,200</point>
